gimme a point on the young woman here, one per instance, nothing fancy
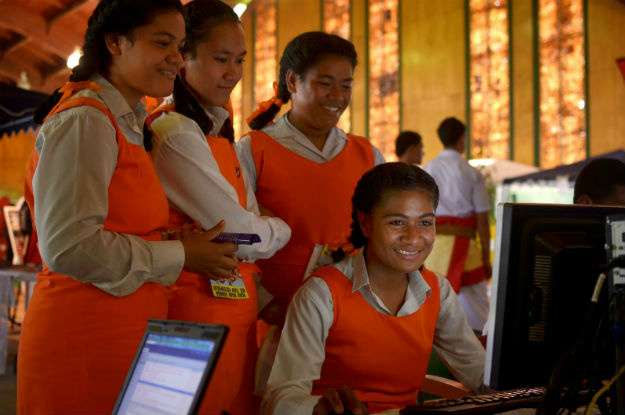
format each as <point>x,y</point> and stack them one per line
<point>303,167</point>
<point>100,211</point>
<point>194,155</point>
<point>370,320</point>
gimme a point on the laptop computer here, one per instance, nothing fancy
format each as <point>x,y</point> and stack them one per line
<point>171,369</point>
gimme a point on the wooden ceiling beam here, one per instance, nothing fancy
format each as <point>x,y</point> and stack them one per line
<point>58,38</point>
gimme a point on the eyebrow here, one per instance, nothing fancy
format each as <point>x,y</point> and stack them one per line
<point>401,215</point>
<point>332,78</point>
<point>226,52</point>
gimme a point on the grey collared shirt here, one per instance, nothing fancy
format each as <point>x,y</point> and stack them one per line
<point>301,351</point>
<point>77,158</point>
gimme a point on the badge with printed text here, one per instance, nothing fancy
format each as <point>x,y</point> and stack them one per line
<point>234,290</point>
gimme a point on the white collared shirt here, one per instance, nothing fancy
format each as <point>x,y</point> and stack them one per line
<point>301,351</point>
<point>77,158</point>
<point>195,185</point>
<point>462,188</point>
<point>293,139</point>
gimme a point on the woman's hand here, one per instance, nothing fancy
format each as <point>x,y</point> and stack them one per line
<point>215,260</point>
<point>342,400</point>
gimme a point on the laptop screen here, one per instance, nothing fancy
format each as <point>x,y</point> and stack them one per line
<point>169,373</point>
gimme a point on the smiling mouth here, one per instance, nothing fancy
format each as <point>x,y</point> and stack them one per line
<point>401,251</point>
<point>332,109</point>
<point>169,74</point>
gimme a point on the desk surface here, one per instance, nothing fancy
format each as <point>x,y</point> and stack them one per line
<point>21,272</point>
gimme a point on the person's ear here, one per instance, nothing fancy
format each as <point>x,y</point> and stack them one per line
<point>364,221</point>
<point>113,43</point>
<point>291,81</point>
<point>584,200</point>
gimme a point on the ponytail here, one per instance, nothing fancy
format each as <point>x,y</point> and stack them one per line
<point>267,110</point>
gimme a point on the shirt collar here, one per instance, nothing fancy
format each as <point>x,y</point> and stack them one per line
<point>450,153</point>
<point>291,132</point>
<point>416,283</point>
<point>117,104</point>
<point>218,116</point>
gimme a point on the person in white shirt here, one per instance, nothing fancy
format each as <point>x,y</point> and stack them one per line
<point>370,321</point>
<point>193,151</point>
<point>462,212</point>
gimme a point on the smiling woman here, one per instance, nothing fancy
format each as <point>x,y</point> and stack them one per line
<point>371,320</point>
<point>303,167</point>
<point>100,212</point>
<point>193,151</point>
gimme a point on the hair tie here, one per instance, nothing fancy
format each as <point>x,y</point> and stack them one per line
<point>265,105</point>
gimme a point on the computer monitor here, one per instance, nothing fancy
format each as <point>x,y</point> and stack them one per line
<point>547,260</point>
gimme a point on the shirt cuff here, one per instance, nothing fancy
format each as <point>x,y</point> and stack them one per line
<point>167,260</point>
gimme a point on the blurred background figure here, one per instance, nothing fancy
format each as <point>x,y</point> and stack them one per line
<point>601,182</point>
<point>409,147</point>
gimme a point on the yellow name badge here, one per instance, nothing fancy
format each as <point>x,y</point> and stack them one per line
<point>232,290</point>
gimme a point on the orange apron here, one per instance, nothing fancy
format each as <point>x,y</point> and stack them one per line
<point>192,299</point>
<point>382,357</point>
<point>77,341</point>
<point>313,199</point>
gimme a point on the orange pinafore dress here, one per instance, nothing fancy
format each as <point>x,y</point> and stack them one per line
<point>77,341</point>
<point>313,199</point>
<point>191,298</point>
<point>382,357</point>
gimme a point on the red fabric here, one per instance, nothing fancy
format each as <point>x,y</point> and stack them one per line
<point>383,358</point>
<point>191,299</point>
<point>456,275</point>
<point>470,222</point>
<point>313,199</point>
<point>77,342</point>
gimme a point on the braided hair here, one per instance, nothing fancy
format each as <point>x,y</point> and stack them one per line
<point>301,54</point>
<point>201,17</point>
<point>377,182</point>
<point>109,16</point>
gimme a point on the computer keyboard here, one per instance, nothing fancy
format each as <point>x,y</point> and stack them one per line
<point>480,404</point>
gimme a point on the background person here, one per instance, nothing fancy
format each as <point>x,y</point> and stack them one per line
<point>601,182</point>
<point>409,147</point>
<point>462,212</point>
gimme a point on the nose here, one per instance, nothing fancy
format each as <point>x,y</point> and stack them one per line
<point>234,71</point>
<point>413,236</point>
<point>175,56</point>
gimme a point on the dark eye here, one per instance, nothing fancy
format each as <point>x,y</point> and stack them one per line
<point>240,61</point>
<point>347,87</point>
<point>161,43</point>
<point>397,222</point>
<point>426,223</point>
<point>221,60</point>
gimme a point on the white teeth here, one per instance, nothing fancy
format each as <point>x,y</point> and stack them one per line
<point>406,252</point>
<point>335,109</point>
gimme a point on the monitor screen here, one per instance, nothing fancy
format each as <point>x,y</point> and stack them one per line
<point>547,261</point>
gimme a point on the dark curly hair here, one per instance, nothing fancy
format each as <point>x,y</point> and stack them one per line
<point>300,55</point>
<point>375,183</point>
<point>109,16</point>
<point>599,179</point>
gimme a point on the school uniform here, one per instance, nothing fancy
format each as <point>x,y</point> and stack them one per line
<point>310,189</point>
<point>99,211</point>
<point>205,182</point>
<point>455,254</point>
<point>338,331</point>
